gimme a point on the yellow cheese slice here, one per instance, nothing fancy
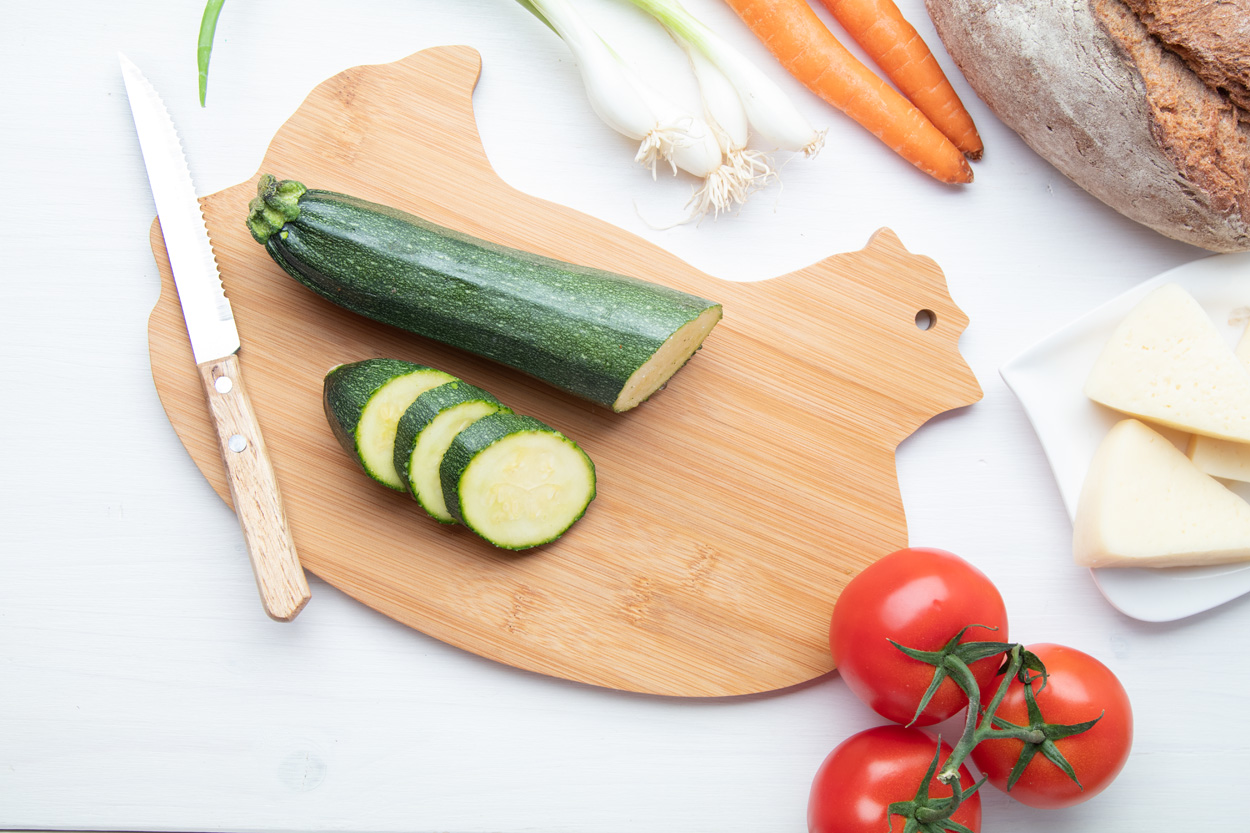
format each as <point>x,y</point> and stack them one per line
<point>1145,504</point>
<point>1224,458</point>
<point>1166,362</point>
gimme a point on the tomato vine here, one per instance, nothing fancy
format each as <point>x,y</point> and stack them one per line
<point>924,813</point>
<point>898,638</point>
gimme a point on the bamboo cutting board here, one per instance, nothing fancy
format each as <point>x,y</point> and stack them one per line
<point>732,507</point>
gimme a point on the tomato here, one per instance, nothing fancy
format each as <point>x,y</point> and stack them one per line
<point>1079,688</point>
<point>920,598</point>
<point>871,770</point>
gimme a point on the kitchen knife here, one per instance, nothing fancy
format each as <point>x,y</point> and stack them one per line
<point>215,343</point>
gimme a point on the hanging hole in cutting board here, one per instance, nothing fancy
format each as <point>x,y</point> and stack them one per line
<point>926,319</point>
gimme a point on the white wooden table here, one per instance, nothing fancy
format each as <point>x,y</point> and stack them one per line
<point>142,687</point>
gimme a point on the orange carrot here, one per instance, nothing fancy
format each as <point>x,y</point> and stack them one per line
<point>809,51</point>
<point>894,45</point>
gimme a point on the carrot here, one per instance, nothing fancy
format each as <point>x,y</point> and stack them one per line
<point>797,38</point>
<point>894,45</point>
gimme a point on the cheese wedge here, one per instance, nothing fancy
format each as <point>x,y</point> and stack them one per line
<point>1224,458</point>
<point>1145,504</point>
<point>1166,362</point>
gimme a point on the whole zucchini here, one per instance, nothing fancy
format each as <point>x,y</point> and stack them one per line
<point>608,338</point>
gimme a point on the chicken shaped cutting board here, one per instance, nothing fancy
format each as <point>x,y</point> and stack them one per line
<point>733,506</point>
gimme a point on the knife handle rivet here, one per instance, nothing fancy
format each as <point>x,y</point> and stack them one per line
<point>223,384</point>
<point>237,443</point>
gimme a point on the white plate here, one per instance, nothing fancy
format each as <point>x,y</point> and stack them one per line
<point>1048,379</point>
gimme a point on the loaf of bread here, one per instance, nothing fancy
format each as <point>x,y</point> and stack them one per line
<point>1143,103</point>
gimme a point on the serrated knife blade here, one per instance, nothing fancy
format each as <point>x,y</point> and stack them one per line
<point>210,321</point>
<point>214,345</point>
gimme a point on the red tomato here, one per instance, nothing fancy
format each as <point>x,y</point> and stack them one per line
<point>920,598</point>
<point>871,770</point>
<point>1079,688</point>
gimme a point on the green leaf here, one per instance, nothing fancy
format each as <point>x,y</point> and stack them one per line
<point>906,809</point>
<point>978,785</point>
<point>930,657</point>
<point>1001,727</point>
<point>1051,732</point>
<point>922,794</point>
<point>204,48</point>
<point>1026,755</point>
<point>956,827</point>
<point>1057,731</point>
<point>1031,662</point>
<point>1053,754</point>
<point>966,653</point>
<point>934,658</point>
<point>938,676</point>
<point>971,652</point>
<point>1030,704</point>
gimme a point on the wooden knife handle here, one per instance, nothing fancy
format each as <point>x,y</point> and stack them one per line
<point>257,501</point>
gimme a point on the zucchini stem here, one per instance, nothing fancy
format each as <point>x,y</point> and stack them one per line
<point>276,204</point>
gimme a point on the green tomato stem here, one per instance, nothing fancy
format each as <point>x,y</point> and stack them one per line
<point>1015,658</point>
<point>962,675</point>
<point>981,724</point>
<point>976,729</point>
<point>942,810</point>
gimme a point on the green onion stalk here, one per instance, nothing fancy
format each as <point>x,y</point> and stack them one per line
<point>204,47</point>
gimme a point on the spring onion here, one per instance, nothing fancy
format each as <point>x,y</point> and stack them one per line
<point>204,46</point>
<point>737,97</point>
<point>743,170</point>
<point>769,110</point>
<point>712,145</point>
<point>624,101</point>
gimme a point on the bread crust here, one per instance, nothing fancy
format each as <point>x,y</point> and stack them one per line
<point>1088,86</point>
<point>1213,39</point>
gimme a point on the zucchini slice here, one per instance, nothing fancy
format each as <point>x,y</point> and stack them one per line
<point>516,481</point>
<point>363,403</point>
<point>609,338</point>
<point>425,431</point>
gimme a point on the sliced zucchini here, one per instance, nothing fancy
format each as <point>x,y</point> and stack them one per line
<point>425,431</point>
<point>516,481</point>
<point>363,403</point>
